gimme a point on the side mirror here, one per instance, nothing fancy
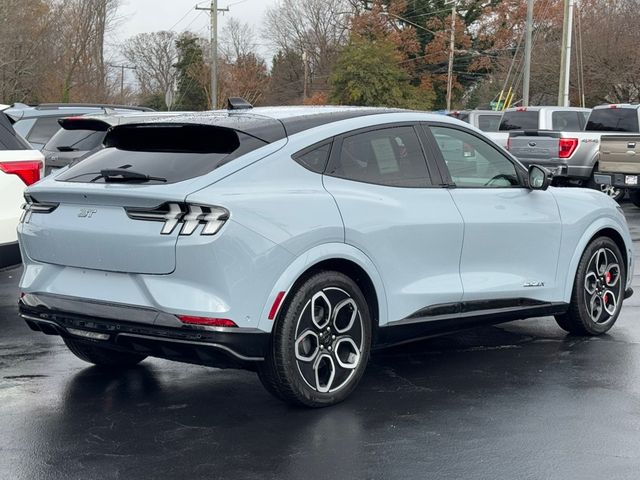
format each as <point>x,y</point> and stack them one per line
<point>539,177</point>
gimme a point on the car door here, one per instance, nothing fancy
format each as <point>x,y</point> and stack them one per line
<point>512,234</point>
<point>397,212</point>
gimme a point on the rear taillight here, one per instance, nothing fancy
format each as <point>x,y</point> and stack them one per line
<point>566,147</point>
<point>29,172</point>
<point>189,216</point>
<point>508,146</point>
<point>33,206</point>
<point>206,321</point>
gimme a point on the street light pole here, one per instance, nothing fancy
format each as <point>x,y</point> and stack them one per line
<point>451,55</point>
<point>527,55</point>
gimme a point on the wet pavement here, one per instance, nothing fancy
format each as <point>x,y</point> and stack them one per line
<point>519,401</point>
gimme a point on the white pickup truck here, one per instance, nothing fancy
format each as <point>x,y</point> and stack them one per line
<point>20,165</point>
<point>573,155</point>
<point>486,120</point>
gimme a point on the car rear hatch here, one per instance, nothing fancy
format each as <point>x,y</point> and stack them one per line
<point>122,209</point>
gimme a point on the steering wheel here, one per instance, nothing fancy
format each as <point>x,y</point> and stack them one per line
<point>501,176</point>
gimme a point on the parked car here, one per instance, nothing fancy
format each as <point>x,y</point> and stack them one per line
<point>79,136</point>
<point>20,166</point>
<point>486,120</point>
<point>292,241</point>
<point>573,155</point>
<point>37,124</point>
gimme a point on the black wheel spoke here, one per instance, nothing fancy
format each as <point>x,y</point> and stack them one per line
<point>602,285</point>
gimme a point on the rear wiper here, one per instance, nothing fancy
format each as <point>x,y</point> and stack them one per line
<point>122,175</point>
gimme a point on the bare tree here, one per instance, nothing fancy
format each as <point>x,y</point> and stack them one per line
<point>154,55</point>
<point>315,29</point>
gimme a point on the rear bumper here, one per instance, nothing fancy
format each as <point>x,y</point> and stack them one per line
<point>615,179</point>
<point>211,346</point>
<point>560,168</point>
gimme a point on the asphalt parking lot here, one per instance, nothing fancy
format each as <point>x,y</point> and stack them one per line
<point>518,401</point>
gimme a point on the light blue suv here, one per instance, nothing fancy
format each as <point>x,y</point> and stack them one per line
<point>293,241</point>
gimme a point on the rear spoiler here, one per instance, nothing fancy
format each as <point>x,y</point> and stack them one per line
<point>173,137</point>
<point>82,123</point>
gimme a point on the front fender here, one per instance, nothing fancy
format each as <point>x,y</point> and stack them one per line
<point>597,226</point>
<point>320,253</point>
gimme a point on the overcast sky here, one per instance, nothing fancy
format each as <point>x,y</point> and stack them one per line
<point>139,16</point>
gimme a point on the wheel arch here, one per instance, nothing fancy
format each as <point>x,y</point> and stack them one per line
<point>334,257</point>
<point>600,229</point>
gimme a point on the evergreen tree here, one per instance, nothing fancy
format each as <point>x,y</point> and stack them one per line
<point>191,94</point>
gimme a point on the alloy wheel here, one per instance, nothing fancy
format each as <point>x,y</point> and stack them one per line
<point>602,285</point>
<point>329,340</point>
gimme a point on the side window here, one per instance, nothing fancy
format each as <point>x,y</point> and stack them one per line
<point>472,162</point>
<point>43,130</point>
<point>388,156</point>
<point>566,121</point>
<point>314,158</point>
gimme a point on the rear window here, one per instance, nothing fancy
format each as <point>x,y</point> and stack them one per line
<point>75,140</point>
<point>567,121</point>
<point>613,120</point>
<point>519,120</point>
<point>43,130</point>
<point>170,152</point>
<point>489,123</point>
<point>460,116</point>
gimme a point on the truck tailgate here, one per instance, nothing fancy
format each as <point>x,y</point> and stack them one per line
<point>620,154</point>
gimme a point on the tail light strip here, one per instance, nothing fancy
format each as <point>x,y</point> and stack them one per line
<point>32,206</point>
<point>190,216</point>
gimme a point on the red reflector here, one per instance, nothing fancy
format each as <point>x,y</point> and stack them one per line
<point>566,147</point>
<point>211,322</point>
<point>29,172</point>
<point>276,305</point>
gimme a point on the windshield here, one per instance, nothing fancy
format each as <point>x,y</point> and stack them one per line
<point>613,120</point>
<point>519,120</point>
<point>75,140</point>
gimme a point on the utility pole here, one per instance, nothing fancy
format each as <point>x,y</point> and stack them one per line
<point>213,10</point>
<point>527,55</point>
<point>122,69</point>
<point>305,59</point>
<point>565,65</point>
<point>451,53</point>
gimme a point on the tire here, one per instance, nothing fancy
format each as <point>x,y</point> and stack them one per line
<point>318,360</point>
<point>102,356</point>
<point>598,290</point>
<point>635,197</point>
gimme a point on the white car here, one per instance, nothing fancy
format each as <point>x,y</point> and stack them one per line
<point>20,166</point>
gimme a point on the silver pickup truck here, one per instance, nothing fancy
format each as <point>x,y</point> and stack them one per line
<point>573,155</point>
